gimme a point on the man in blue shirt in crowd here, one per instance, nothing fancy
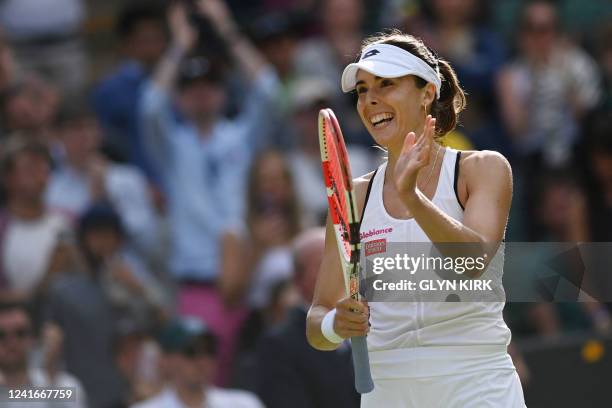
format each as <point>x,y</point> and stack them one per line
<point>203,160</point>
<point>142,35</point>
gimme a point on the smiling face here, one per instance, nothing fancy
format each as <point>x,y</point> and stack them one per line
<point>390,108</point>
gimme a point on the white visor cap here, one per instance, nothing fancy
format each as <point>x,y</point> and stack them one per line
<point>389,61</point>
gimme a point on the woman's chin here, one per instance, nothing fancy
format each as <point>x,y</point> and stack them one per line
<point>386,136</point>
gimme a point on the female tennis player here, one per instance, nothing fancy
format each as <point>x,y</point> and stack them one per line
<point>422,354</point>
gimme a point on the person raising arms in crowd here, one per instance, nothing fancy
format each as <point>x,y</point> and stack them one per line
<point>203,159</point>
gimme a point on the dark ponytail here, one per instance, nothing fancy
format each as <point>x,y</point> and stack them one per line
<point>452,98</point>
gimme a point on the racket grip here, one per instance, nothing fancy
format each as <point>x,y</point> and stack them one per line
<point>361,363</point>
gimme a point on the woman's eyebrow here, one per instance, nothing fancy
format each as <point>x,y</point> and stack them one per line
<point>361,81</point>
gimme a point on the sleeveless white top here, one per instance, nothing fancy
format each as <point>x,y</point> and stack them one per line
<point>416,339</point>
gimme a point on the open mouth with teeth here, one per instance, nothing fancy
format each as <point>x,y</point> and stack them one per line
<point>381,119</point>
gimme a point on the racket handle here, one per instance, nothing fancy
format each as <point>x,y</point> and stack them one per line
<point>361,363</point>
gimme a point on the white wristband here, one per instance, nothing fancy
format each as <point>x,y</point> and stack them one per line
<point>327,327</point>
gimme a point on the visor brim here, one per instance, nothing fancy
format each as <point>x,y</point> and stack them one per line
<point>377,68</point>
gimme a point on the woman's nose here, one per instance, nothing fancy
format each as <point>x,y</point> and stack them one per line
<point>371,98</point>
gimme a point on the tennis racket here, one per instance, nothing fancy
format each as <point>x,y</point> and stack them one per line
<point>343,213</point>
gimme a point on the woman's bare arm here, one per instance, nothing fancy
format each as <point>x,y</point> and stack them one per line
<point>487,177</point>
<point>351,315</point>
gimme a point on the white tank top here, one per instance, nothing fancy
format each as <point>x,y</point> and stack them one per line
<point>418,329</point>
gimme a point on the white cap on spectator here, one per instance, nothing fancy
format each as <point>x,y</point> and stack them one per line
<point>306,92</point>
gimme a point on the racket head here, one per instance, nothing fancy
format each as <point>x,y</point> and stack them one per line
<point>335,181</point>
<point>341,145</point>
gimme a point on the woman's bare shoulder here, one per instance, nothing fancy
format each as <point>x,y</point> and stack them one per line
<point>360,183</point>
<point>483,169</point>
<point>477,161</point>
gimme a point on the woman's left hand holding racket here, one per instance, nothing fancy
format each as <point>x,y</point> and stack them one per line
<point>352,318</point>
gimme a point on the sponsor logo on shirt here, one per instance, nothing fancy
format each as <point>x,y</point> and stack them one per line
<point>376,246</point>
<point>374,232</point>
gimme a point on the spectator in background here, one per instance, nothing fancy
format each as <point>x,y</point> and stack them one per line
<point>456,31</point>
<point>29,105</point>
<point>190,349</point>
<point>138,357</point>
<point>605,60</point>
<point>309,95</point>
<point>275,36</point>
<point>547,89</point>
<point>17,342</point>
<point>203,161</point>
<point>543,95</point>
<point>273,220</point>
<point>8,71</point>
<point>30,234</point>
<point>45,35</point>
<point>599,181</point>
<point>141,31</point>
<point>561,217</point>
<point>131,289</point>
<point>289,371</point>
<point>599,196</point>
<point>78,303</point>
<point>325,57</point>
<point>85,177</point>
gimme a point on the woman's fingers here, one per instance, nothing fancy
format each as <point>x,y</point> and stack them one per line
<point>351,305</point>
<point>350,329</point>
<point>352,318</point>
<point>428,131</point>
<point>422,142</point>
<point>424,154</point>
<point>412,142</point>
<point>409,142</point>
<point>423,145</point>
<point>432,129</point>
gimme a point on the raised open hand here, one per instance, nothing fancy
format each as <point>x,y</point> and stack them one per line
<point>184,35</point>
<point>217,12</point>
<point>414,157</point>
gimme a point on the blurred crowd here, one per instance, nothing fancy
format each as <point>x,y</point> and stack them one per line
<point>160,220</point>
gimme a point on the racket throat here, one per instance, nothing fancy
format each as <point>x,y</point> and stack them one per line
<point>354,231</point>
